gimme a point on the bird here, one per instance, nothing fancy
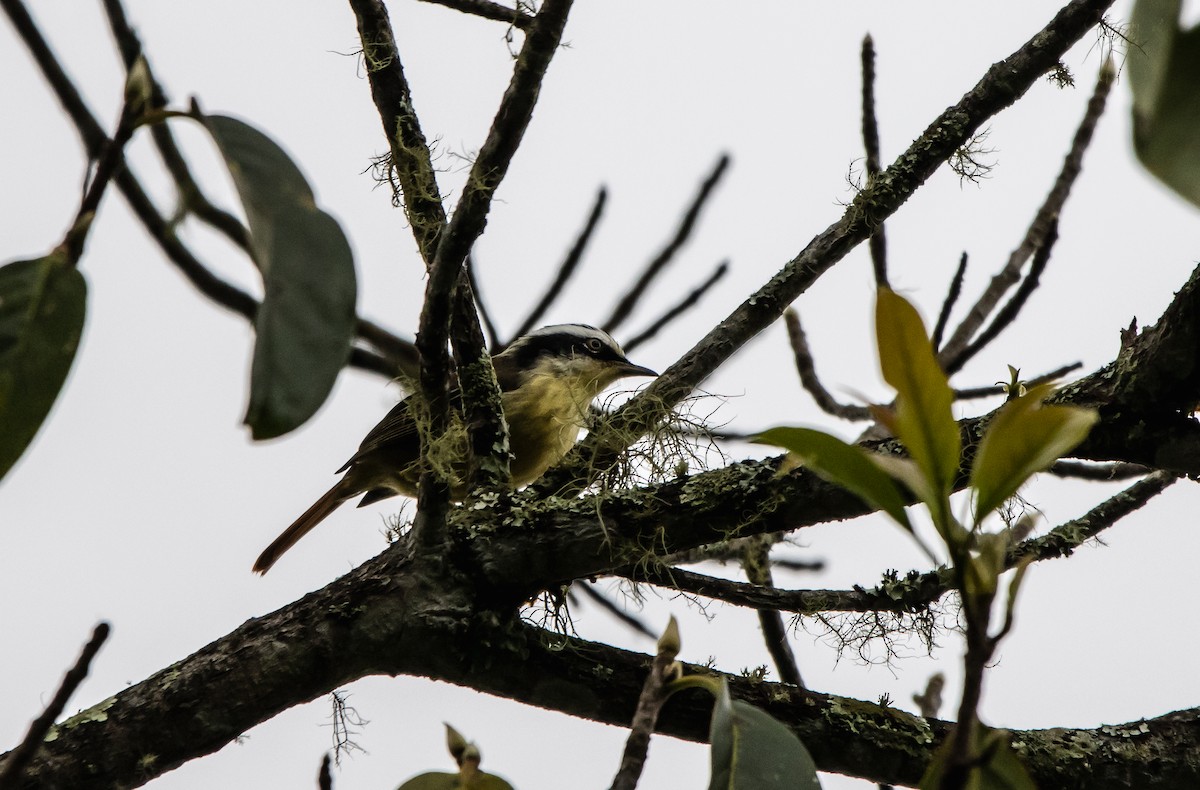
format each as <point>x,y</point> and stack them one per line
<point>548,379</point>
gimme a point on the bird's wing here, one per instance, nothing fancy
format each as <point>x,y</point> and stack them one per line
<point>397,425</point>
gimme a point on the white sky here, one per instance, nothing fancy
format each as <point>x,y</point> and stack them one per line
<point>143,502</point>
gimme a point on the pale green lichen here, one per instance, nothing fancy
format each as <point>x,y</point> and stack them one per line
<point>96,713</point>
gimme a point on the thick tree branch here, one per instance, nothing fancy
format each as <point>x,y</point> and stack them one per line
<point>378,619</point>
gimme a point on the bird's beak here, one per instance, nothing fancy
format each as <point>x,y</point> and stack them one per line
<point>627,368</point>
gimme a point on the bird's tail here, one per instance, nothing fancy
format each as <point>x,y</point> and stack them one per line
<point>302,526</point>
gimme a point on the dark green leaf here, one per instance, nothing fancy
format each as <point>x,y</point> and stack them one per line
<point>1024,438</point>
<point>923,421</point>
<point>842,463</point>
<point>42,306</point>
<point>481,780</point>
<point>306,322</point>
<point>1166,95</point>
<point>751,750</point>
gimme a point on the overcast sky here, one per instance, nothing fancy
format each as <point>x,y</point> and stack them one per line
<point>144,502</point>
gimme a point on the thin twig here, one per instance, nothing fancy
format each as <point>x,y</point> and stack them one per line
<point>870,133</point>
<point>1012,308</point>
<point>1036,233</point>
<point>485,316</point>
<point>806,367</point>
<point>915,590</point>
<point>676,310</point>
<point>972,393</point>
<point>566,268</point>
<point>1004,83</point>
<point>650,702</point>
<point>160,229</point>
<point>607,604</point>
<point>756,563</point>
<point>494,11</point>
<point>411,162</point>
<point>948,303</point>
<point>629,301</point>
<point>19,757</point>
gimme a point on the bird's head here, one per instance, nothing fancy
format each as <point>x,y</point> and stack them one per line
<point>580,357</point>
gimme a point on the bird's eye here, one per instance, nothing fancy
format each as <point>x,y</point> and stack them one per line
<point>593,345</point>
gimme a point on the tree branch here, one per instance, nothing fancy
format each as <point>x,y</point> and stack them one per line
<point>18,759</point>
<point>807,369</point>
<point>566,268</point>
<point>870,133</point>
<point>1004,83</point>
<point>488,10</point>
<point>629,301</point>
<point>1036,234</point>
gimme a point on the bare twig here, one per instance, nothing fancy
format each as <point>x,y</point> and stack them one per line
<point>757,565</point>
<point>412,163</point>
<point>806,367</point>
<point>650,702</point>
<point>870,132</point>
<point>1036,233</point>
<point>160,229</point>
<point>678,309</point>
<point>567,267</point>
<point>631,298</point>
<point>913,591</point>
<point>971,393</point>
<point>488,10</point>
<point>1008,313</point>
<point>948,303</point>
<point>493,339</point>
<point>607,604</point>
<point>19,757</point>
<point>1004,82</point>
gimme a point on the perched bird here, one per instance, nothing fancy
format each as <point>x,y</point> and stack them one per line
<point>548,380</point>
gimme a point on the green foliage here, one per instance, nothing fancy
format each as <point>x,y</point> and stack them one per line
<point>1024,438</point>
<point>998,768</point>
<point>42,307</point>
<point>307,318</point>
<point>922,420</point>
<point>1163,63</point>
<point>480,780</point>
<point>469,777</point>
<point>752,750</point>
<point>844,463</point>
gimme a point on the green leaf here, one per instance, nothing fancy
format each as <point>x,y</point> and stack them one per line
<point>1166,95</point>
<point>306,322</point>
<point>1000,768</point>
<point>433,780</point>
<point>842,463</point>
<point>752,750</point>
<point>923,421</point>
<point>42,307</point>
<point>1024,438</point>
